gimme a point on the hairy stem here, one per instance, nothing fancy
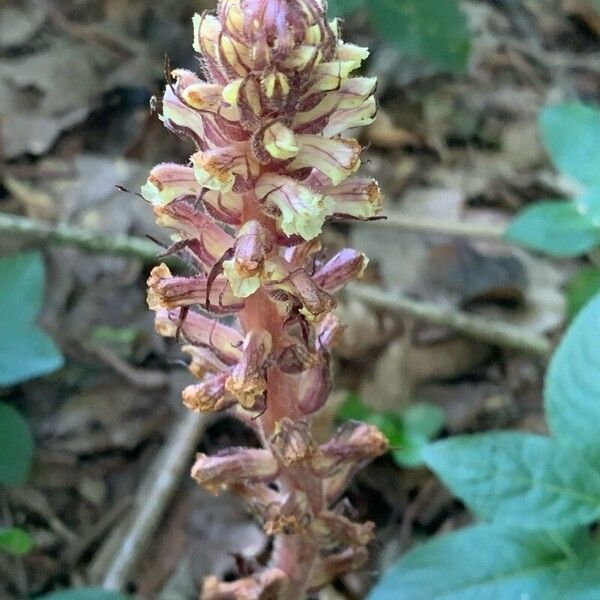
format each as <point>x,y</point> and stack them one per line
<point>293,554</point>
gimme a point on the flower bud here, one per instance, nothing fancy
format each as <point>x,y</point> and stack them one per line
<point>266,585</point>
<point>289,517</point>
<point>208,396</point>
<point>353,445</point>
<point>247,381</point>
<point>244,271</point>
<point>198,330</point>
<point>314,388</point>
<point>344,266</point>
<point>334,565</point>
<point>168,291</point>
<point>356,198</point>
<point>234,464</point>
<point>292,442</point>
<point>336,530</point>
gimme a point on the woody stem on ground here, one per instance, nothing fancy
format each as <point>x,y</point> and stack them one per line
<point>490,330</point>
<point>39,233</point>
<point>482,328</point>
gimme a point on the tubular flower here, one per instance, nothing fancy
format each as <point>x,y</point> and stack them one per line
<point>269,167</point>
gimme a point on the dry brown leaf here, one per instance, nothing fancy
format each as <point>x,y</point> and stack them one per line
<point>402,366</point>
<point>383,133</point>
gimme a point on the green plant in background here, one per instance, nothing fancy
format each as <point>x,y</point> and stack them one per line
<point>568,228</point>
<point>25,350</point>
<point>408,430</point>
<point>16,454</point>
<point>432,29</point>
<point>539,495</point>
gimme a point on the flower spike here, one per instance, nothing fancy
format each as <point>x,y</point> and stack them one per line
<point>270,167</point>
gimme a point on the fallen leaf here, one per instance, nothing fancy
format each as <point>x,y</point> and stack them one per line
<point>19,23</point>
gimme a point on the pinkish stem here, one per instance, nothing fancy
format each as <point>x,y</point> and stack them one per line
<point>270,166</point>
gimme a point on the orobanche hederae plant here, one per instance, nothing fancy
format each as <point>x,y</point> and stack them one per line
<point>266,115</point>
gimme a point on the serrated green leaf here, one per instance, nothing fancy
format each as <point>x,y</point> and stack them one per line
<point>571,134</point>
<point>341,8</point>
<point>581,288</point>
<point>432,29</point>
<point>16,446</point>
<point>572,387</point>
<point>518,479</point>
<point>84,594</point>
<point>557,228</point>
<point>15,540</point>
<point>25,350</point>
<point>477,563</point>
<point>486,562</point>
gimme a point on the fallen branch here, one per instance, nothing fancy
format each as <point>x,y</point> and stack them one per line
<point>39,232</point>
<point>496,332</point>
<point>143,379</point>
<point>487,330</point>
<point>437,226</point>
<point>154,495</point>
<point>97,530</point>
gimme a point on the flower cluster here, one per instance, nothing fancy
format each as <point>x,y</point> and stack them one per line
<point>270,167</point>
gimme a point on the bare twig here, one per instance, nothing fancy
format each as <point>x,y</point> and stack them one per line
<point>411,512</point>
<point>40,233</point>
<point>143,379</point>
<point>118,45</point>
<point>154,495</point>
<point>437,226</point>
<point>97,530</point>
<point>494,332</point>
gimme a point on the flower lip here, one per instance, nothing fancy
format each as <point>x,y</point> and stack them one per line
<point>301,210</point>
<point>246,381</point>
<point>234,464</point>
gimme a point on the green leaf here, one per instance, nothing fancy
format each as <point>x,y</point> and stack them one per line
<point>15,540</point>
<point>354,409</point>
<point>432,29</point>
<point>84,594</point>
<point>557,228</point>
<point>581,288</point>
<point>487,562</point>
<point>581,580</point>
<point>572,387</point>
<point>341,8</point>
<point>518,479</point>
<point>571,134</point>
<point>421,423</point>
<point>25,350</point>
<point>407,431</point>
<point>588,205</point>
<point>16,446</point>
